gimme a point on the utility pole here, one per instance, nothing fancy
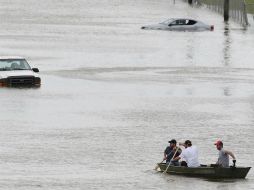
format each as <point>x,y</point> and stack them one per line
<point>226,10</point>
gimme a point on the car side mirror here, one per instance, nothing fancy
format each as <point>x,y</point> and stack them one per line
<point>36,70</point>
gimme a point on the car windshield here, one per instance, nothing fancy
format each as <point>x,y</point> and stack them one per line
<point>183,22</point>
<point>167,22</point>
<point>13,64</point>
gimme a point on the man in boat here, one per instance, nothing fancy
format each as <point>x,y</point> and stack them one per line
<point>170,152</point>
<point>223,159</point>
<point>189,155</point>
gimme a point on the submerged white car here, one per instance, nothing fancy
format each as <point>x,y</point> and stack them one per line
<point>180,24</point>
<point>16,72</point>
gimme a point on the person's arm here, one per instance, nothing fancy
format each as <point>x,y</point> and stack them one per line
<point>230,154</point>
<point>165,156</point>
<point>166,153</point>
<point>177,158</point>
<point>180,152</point>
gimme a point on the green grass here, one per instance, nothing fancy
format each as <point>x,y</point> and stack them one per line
<point>250,6</point>
<point>249,1</point>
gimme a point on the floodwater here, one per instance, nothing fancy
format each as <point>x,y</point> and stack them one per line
<point>112,95</point>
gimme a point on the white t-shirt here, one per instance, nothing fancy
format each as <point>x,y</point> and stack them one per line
<point>190,155</point>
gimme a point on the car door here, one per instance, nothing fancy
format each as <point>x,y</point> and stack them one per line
<point>190,25</point>
<point>177,25</point>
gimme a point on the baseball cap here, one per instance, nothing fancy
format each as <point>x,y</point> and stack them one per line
<point>173,141</point>
<point>219,142</point>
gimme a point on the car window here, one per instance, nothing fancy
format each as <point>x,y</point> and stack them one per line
<point>179,22</point>
<point>14,64</point>
<point>166,22</point>
<point>191,22</point>
<point>172,23</point>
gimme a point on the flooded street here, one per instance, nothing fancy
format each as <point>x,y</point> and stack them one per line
<point>112,95</point>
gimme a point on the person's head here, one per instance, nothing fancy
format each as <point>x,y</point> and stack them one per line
<point>14,65</point>
<point>187,143</point>
<point>172,143</point>
<point>219,145</point>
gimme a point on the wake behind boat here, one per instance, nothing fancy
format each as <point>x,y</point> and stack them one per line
<point>207,171</point>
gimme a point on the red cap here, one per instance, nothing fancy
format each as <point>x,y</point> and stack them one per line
<point>218,142</point>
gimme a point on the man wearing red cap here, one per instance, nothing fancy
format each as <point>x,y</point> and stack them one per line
<point>223,159</point>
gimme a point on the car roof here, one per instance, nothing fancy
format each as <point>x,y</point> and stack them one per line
<point>11,57</point>
<point>184,19</point>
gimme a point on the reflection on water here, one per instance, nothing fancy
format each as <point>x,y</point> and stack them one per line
<point>190,53</point>
<point>227,91</point>
<point>227,44</point>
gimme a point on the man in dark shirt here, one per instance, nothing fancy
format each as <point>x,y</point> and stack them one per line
<point>170,151</point>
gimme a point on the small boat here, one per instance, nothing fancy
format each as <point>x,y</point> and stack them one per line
<point>205,171</point>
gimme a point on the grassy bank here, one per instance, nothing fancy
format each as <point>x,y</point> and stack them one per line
<point>249,1</point>
<point>250,6</point>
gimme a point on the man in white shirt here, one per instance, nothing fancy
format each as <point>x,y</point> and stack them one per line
<point>189,154</point>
